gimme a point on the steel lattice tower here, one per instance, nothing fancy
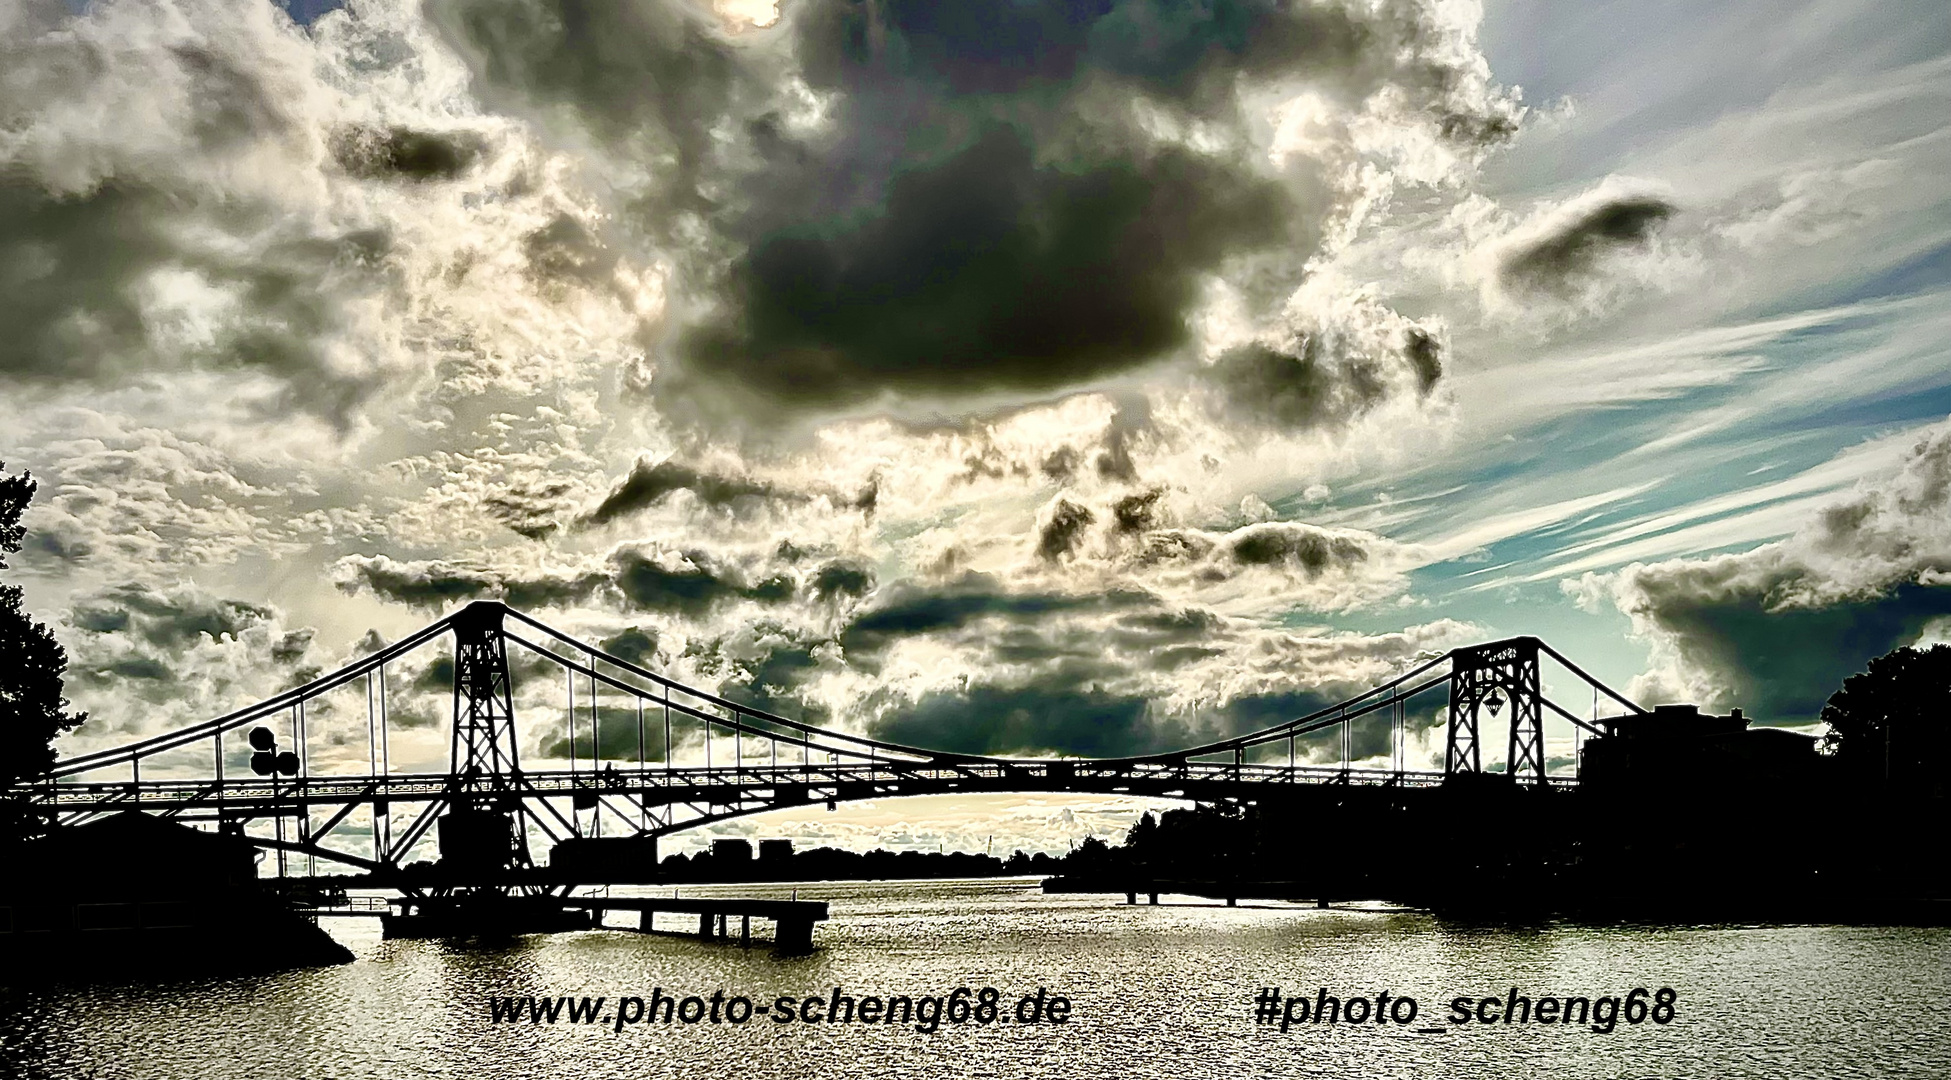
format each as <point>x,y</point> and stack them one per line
<point>1495,676</point>
<point>484,758</point>
<point>486,776</point>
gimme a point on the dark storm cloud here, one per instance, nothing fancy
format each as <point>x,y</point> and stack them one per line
<point>1294,545</point>
<point>843,579</point>
<point>615,741</point>
<point>637,645</point>
<point>1168,50</point>
<point>1776,630</point>
<point>142,655</point>
<point>1063,529</point>
<point>74,267</point>
<point>1039,717</point>
<point>772,680</point>
<point>980,206</point>
<point>690,584</point>
<point>401,153</point>
<point>533,509</point>
<point>145,668</point>
<point>565,250</point>
<point>648,77</point>
<point>1290,546</point>
<point>983,270</point>
<point>293,646</point>
<point>649,484</point>
<point>1320,379</point>
<point>173,619</point>
<point>1071,709</point>
<point>1425,355</point>
<point>1781,664</point>
<point>1132,419</point>
<point>1572,248</point>
<point>908,609</point>
<point>439,584</point>
<point>94,212</point>
<point>1137,512</point>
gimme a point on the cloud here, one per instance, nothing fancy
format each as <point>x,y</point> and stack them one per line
<point>1268,566</point>
<point>693,583</point>
<point>1776,629</point>
<point>406,154</point>
<point>1062,529</point>
<point>531,507</point>
<point>910,609</point>
<point>143,658</point>
<point>117,495</point>
<point>1295,546</point>
<point>1564,249</point>
<point>897,201</point>
<point>842,579</point>
<point>440,584</point>
<point>168,620</point>
<point>649,483</point>
<point>1341,356</point>
<point>136,230</point>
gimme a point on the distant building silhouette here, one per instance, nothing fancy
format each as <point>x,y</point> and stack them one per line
<point>775,851</point>
<point>1681,747</point>
<point>731,850</point>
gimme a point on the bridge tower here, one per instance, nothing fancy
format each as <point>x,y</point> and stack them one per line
<point>483,827</point>
<point>1490,678</point>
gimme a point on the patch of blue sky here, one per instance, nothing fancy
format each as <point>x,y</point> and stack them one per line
<point>1926,271</point>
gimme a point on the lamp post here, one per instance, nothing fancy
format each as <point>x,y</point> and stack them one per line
<point>267,760</point>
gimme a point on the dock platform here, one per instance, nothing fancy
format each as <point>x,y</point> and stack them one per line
<point>792,919</point>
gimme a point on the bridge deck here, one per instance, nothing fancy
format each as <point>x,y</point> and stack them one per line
<point>722,785</point>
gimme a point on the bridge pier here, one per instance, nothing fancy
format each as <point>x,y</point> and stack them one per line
<point>793,935</point>
<point>1154,899</point>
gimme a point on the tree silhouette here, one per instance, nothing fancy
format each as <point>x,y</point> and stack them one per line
<point>1890,723</point>
<point>32,710</point>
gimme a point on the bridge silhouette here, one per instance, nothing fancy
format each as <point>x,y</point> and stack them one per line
<point>489,808</point>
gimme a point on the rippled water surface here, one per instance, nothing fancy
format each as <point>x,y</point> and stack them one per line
<point>1157,992</point>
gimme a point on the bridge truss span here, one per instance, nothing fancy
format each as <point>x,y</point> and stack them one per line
<point>715,758</point>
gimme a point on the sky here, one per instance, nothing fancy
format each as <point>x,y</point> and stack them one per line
<point>1030,377</point>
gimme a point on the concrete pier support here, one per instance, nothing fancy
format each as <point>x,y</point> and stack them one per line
<point>1131,898</point>
<point>1154,899</point>
<point>704,926</point>
<point>745,932</point>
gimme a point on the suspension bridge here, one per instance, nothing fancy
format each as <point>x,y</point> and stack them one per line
<point>486,814</point>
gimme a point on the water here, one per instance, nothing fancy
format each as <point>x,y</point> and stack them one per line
<point>1156,992</point>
